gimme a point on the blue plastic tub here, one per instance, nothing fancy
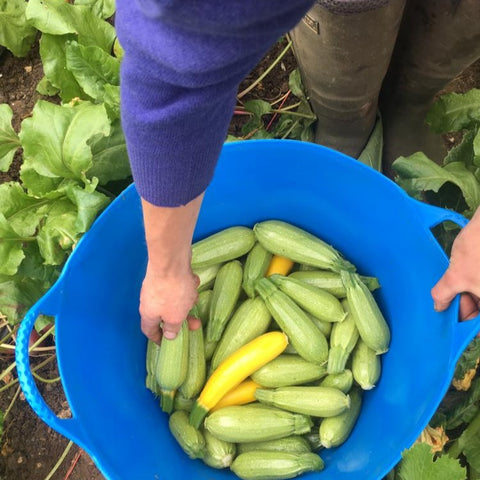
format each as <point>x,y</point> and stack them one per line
<point>101,351</point>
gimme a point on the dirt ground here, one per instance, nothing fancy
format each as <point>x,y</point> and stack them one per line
<point>30,449</point>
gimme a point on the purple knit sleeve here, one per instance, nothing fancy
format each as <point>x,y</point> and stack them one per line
<point>184,60</point>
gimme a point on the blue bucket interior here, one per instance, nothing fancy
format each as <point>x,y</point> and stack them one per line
<point>101,350</point>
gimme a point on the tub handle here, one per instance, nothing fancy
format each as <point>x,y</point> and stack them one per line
<point>47,305</point>
<point>464,331</point>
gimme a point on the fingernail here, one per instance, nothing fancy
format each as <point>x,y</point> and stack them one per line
<point>169,335</point>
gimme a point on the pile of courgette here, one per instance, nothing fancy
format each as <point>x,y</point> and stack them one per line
<point>291,335</point>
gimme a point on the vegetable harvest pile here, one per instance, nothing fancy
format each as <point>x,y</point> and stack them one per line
<point>290,337</point>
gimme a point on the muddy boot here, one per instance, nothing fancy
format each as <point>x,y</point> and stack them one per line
<point>343,49</point>
<point>438,39</point>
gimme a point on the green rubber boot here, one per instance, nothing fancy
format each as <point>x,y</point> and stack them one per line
<point>343,49</point>
<point>438,39</point>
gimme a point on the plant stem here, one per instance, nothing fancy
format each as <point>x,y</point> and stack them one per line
<point>242,112</point>
<point>40,340</point>
<point>8,336</point>
<point>45,380</point>
<point>40,365</point>
<point>60,461</point>
<point>7,411</point>
<point>290,107</point>
<point>8,346</point>
<point>275,115</point>
<point>266,72</point>
<point>281,99</point>
<point>295,114</point>
<point>457,446</point>
<point>287,133</point>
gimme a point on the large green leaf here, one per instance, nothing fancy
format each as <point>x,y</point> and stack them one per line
<point>463,152</point>
<point>455,111</point>
<point>112,101</point>
<point>33,278</point>
<point>17,295</point>
<point>419,464</point>
<point>15,32</point>
<point>55,138</point>
<point>466,406</point>
<point>296,85</point>
<point>88,205</point>
<point>46,88</point>
<point>11,251</point>
<point>54,62</point>
<point>58,17</point>
<point>37,185</point>
<point>9,141</point>
<point>92,68</point>
<point>71,211</point>
<point>59,233</point>
<point>417,173</point>
<point>24,213</point>
<point>101,8</point>
<point>110,157</point>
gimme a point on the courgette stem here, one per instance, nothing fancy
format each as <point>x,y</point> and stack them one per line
<point>167,400</point>
<point>197,415</point>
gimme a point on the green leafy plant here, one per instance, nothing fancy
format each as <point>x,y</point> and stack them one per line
<point>267,120</point>
<point>16,33</point>
<point>69,151</point>
<point>455,184</point>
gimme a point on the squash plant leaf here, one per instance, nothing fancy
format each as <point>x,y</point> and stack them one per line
<point>469,359</point>
<point>419,464</point>
<point>9,141</point>
<point>100,8</point>
<point>15,32</point>
<point>92,68</point>
<point>463,152</point>
<point>417,173</point>
<point>464,409</point>
<point>55,139</point>
<point>454,112</point>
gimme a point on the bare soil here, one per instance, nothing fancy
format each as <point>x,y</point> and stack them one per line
<point>29,449</point>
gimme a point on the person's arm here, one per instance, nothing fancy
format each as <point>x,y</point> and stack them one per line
<point>169,289</point>
<point>180,73</point>
<point>463,274</point>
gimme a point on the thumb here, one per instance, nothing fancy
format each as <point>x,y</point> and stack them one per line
<point>170,330</point>
<point>444,291</point>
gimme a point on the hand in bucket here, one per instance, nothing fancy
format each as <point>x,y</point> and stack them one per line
<point>169,289</point>
<point>165,303</point>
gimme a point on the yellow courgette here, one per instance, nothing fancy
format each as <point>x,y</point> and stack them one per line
<point>236,368</point>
